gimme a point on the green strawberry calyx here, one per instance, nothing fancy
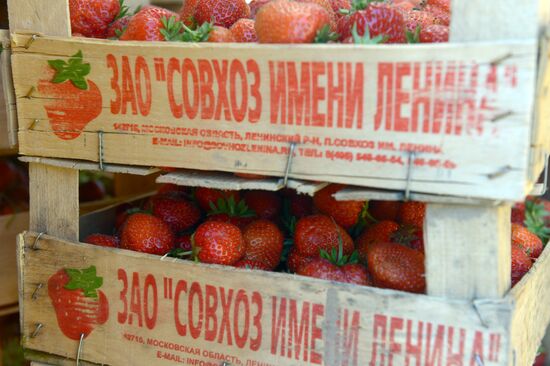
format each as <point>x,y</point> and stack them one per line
<point>74,70</point>
<point>85,280</point>
<point>336,256</point>
<point>231,208</point>
<point>535,220</point>
<point>325,35</point>
<point>366,38</point>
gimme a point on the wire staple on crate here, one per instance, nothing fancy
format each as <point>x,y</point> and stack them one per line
<point>79,352</point>
<point>100,150</point>
<point>30,41</point>
<point>37,330</point>
<point>546,173</point>
<point>289,163</point>
<point>410,168</point>
<point>33,247</point>
<point>36,290</point>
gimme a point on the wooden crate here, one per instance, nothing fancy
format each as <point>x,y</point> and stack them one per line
<point>469,302</point>
<point>8,116</point>
<point>491,128</point>
<point>10,227</point>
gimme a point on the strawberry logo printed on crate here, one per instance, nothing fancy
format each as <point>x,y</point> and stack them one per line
<point>75,101</point>
<point>79,304</point>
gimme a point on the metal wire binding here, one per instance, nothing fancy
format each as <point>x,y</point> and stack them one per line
<point>39,327</point>
<point>225,364</point>
<point>479,362</point>
<point>35,293</point>
<point>412,155</point>
<point>30,41</point>
<point>33,247</point>
<point>100,152</point>
<point>289,163</point>
<point>546,173</point>
<point>79,352</point>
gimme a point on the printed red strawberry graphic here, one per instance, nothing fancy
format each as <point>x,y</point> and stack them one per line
<point>79,304</point>
<point>74,101</point>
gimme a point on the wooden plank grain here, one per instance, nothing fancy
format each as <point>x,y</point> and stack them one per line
<point>368,147</point>
<point>40,17</point>
<point>179,315</point>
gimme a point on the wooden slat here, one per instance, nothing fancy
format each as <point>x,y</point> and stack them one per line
<point>532,312</point>
<point>54,200</point>
<point>86,165</point>
<point>468,251</point>
<point>10,227</point>
<point>495,157</point>
<point>219,180</point>
<point>8,114</point>
<point>37,16</point>
<point>381,314</point>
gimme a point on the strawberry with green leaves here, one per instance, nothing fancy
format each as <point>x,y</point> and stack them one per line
<point>147,234</point>
<point>244,31</point>
<point>284,21</point>
<point>227,210</point>
<point>153,24</point>
<point>217,242</point>
<point>521,263</point>
<point>412,213</point>
<point>375,19</point>
<point>320,232</point>
<point>264,243</point>
<point>528,241</point>
<point>91,18</point>
<point>384,210</point>
<point>206,197</point>
<point>395,266</point>
<point>72,100</point>
<point>80,306</point>
<point>335,266</point>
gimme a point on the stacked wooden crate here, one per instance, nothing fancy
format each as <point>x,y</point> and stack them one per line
<point>482,148</point>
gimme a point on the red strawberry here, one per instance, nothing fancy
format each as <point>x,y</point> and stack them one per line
<point>397,267</point>
<point>152,24</point>
<point>206,197</point>
<point>345,213</point>
<point>244,31</point>
<point>419,19</point>
<point>221,12</point>
<point>283,21</point>
<point>327,5</point>
<point>184,243</point>
<point>518,213</point>
<point>91,18</point>
<point>338,5</point>
<point>376,20</point>
<point>6,209</point>
<point>250,264</point>
<point>227,210</point>
<point>73,101</point>
<point>434,34</point>
<point>381,231</point>
<point>442,5</point>
<point>187,13</point>
<point>384,210</point>
<point>323,269</point>
<point>122,214</point>
<point>219,243</point>
<point>103,240</point>
<point>531,244</point>
<point>147,234</point>
<point>173,190</point>
<point>93,190</point>
<point>521,263</point>
<point>264,243</point>
<point>319,232</point>
<point>266,205</point>
<point>179,214</point>
<point>412,213</point>
<point>78,303</point>
<point>296,261</point>
<point>240,222</point>
<point>441,16</point>
<point>8,175</point>
<point>255,5</point>
<point>301,205</point>
<point>118,27</point>
<point>221,35</point>
<point>247,175</point>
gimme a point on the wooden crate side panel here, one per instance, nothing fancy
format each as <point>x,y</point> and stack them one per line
<point>8,116</point>
<point>356,143</point>
<point>10,227</point>
<point>532,312</point>
<point>188,311</point>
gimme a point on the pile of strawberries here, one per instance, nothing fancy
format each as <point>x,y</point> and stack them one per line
<point>268,21</point>
<point>14,187</point>
<point>376,243</point>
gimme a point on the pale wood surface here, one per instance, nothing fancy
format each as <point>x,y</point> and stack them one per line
<point>54,200</point>
<point>497,157</point>
<point>10,227</point>
<point>532,314</point>
<point>38,16</point>
<point>86,165</point>
<point>219,180</point>
<point>8,115</point>
<point>107,343</point>
<point>468,251</point>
